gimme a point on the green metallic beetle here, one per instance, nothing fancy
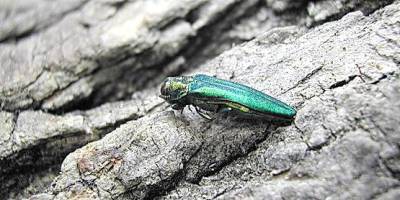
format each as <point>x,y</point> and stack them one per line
<point>212,94</point>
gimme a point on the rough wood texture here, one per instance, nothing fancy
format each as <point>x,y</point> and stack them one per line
<point>63,71</point>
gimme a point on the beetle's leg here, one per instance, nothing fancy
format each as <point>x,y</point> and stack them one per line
<point>190,108</point>
<point>177,106</point>
<point>182,110</point>
<point>205,116</point>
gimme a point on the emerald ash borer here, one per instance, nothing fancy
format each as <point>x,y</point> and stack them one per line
<point>207,93</point>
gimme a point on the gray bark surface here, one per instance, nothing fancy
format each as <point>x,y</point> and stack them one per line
<point>67,77</point>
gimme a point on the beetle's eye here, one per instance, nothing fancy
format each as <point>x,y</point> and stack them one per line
<point>163,89</point>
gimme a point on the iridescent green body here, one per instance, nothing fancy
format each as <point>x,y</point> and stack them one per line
<point>213,94</point>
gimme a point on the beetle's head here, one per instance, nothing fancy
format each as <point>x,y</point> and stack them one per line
<point>175,88</point>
